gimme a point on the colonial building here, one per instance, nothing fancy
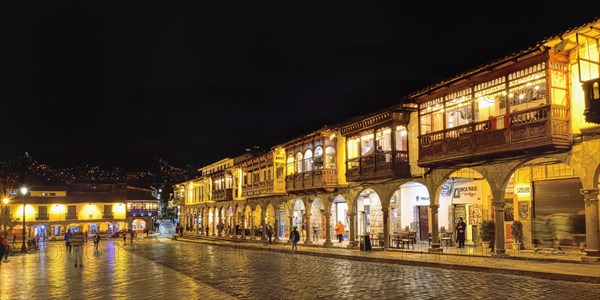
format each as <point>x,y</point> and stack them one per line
<point>102,208</point>
<point>514,140</point>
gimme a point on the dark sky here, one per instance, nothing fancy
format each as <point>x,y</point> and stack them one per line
<point>118,83</point>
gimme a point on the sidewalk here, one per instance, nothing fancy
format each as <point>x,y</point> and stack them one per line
<point>567,267</point>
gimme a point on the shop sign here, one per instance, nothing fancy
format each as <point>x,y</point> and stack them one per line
<point>422,198</point>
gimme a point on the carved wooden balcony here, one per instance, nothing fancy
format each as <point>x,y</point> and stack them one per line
<point>591,90</point>
<point>223,195</point>
<point>539,129</point>
<point>314,180</point>
<point>380,165</point>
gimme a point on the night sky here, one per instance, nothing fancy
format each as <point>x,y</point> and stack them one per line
<point>119,83</point>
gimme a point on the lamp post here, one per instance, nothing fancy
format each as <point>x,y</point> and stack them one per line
<point>24,193</point>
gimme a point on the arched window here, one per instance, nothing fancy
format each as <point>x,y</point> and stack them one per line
<point>308,160</point>
<point>329,158</point>
<point>299,163</point>
<point>318,159</point>
<point>290,165</point>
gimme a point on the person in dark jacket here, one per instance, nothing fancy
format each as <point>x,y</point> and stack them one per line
<point>295,237</point>
<point>461,228</point>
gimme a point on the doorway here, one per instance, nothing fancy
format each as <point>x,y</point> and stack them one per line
<point>423,217</point>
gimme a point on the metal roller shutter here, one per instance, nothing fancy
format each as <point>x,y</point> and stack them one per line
<point>557,196</point>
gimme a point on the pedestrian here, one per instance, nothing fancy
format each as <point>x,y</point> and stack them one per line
<point>124,237</point>
<point>14,239</point>
<point>3,248</point>
<point>146,231</point>
<point>131,236</point>
<point>295,237</point>
<point>96,241</point>
<point>206,230</point>
<point>77,240</point>
<point>270,233</point>
<point>460,232</point>
<point>85,236</point>
<point>68,240</point>
<point>339,231</point>
<point>315,228</point>
<point>493,237</point>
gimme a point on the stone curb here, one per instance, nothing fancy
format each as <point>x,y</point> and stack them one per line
<point>536,274</point>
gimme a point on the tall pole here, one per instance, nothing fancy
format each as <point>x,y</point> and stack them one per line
<point>24,194</point>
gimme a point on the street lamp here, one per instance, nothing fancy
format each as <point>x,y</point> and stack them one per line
<point>24,193</point>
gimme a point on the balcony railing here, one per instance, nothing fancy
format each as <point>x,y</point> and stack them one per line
<point>223,195</point>
<point>107,215</point>
<point>264,188</point>
<point>540,127</point>
<point>315,179</point>
<point>72,216</point>
<point>42,217</point>
<point>142,212</point>
<point>380,165</point>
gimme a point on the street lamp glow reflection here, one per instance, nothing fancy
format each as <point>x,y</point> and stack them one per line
<point>5,201</point>
<point>23,191</point>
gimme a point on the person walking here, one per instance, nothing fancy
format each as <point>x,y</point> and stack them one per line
<point>131,236</point>
<point>295,237</point>
<point>270,233</point>
<point>207,230</point>
<point>14,239</point>
<point>77,240</point>
<point>461,228</point>
<point>96,241</point>
<point>68,240</point>
<point>339,231</point>
<point>124,237</point>
<point>315,229</point>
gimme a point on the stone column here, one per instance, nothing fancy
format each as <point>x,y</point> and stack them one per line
<point>252,234</point>
<point>386,227</point>
<point>499,204</point>
<point>276,227</point>
<point>222,221</point>
<point>352,220</point>
<point>591,223</point>
<point>435,238</point>
<point>263,225</point>
<point>291,217</point>
<point>306,224</point>
<point>214,223</point>
<point>234,225</point>
<point>244,224</point>
<point>328,242</point>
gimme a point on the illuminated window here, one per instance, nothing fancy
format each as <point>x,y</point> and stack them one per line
<point>401,138</point>
<point>352,145</point>
<point>308,160</point>
<point>330,158</point>
<point>367,146</point>
<point>290,165</point>
<point>384,139</point>
<point>299,163</point>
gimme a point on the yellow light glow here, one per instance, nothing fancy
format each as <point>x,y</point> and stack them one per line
<point>5,201</point>
<point>29,211</point>
<point>57,208</point>
<point>119,208</point>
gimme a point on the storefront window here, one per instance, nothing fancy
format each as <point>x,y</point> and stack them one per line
<point>308,160</point>
<point>299,168</point>
<point>290,165</point>
<point>401,138</point>
<point>384,139</point>
<point>366,145</point>
<point>329,158</point>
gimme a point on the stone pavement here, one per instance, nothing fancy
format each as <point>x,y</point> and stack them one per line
<point>527,263</point>
<point>111,273</point>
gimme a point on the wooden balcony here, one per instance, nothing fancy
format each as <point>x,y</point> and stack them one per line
<point>108,215</point>
<point>263,188</point>
<point>223,195</point>
<point>382,165</point>
<point>539,129</point>
<point>321,179</point>
<point>42,217</point>
<point>69,216</point>
<point>591,90</point>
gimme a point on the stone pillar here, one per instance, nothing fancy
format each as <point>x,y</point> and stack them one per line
<point>498,203</point>
<point>291,217</point>
<point>252,234</point>
<point>244,224</point>
<point>352,220</point>
<point>328,242</point>
<point>386,227</point>
<point>306,227</point>
<point>263,225</point>
<point>592,229</point>
<point>276,227</point>
<point>214,223</point>
<point>234,225</point>
<point>222,221</point>
<point>435,237</point>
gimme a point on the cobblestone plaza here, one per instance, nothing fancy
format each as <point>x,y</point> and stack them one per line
<point>161,268</point>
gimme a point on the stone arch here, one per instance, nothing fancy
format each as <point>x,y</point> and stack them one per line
<point>409,210</point>
<point>270,214</point>
<point>369,210</point>
<point>317,219</point>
